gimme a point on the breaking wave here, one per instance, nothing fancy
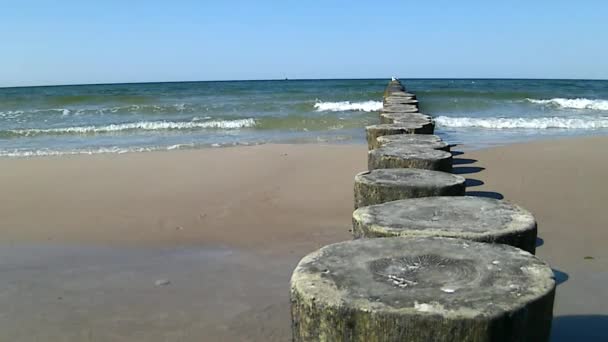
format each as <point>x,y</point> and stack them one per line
<point>343,106</point>
<point>526,123</point>
<point>580,103</point>
<point>135,126</point>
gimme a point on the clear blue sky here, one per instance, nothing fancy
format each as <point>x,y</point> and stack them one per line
<point>66,42</point>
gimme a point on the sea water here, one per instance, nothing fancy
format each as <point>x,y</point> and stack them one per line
<point>118,118</point>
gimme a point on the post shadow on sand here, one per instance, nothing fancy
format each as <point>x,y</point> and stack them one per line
<point>486,194</point>
<point>463,161</point>
<point>461,170</point>
<point>587,328</point>
<point>560,277</point>
<point>565,328</point>
<point>539,242</point>
<point>470,182</point>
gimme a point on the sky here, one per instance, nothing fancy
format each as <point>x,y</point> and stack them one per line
<point>78,42</point>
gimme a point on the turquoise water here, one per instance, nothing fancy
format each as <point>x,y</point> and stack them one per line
<point>162,116</point>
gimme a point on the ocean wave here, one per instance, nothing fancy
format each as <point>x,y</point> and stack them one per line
<point>176,108</point>
<point>342,106</point>
<point>579,103</point>
<point>51,153</point>
<point>112,150</point>
<point>15,113</point>
<point>137,126</point>
<point>526,123</point>
<point>473,94</point>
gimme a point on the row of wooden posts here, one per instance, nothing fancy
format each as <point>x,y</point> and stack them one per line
<point>427,262</point>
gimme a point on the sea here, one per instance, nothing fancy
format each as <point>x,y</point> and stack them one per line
<point>140,117</point>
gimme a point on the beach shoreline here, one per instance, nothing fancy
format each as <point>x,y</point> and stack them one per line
<point>121,118</point>
<point>226,226</point>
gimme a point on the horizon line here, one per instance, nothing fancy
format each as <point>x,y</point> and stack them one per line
<point>305,79</point>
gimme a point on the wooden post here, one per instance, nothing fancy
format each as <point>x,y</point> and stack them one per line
<point>402,156</point>
<point>385,185</point>
<point>421,289</point>
<point>470,218</point>
<point>396,117</point>
<point>403,127</point>
<point>413,140</point>
<point>401,108</point>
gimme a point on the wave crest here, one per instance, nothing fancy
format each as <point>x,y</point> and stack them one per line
<point>579,103</point>
<point>342,106</point>
<point>137,126</point>
<point>526,123</point>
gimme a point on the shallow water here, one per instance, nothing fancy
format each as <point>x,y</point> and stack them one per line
<point>160,116</point>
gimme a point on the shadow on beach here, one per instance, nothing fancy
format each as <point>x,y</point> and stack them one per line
<point>470,182</point>
<point>462,170</point>
<point>486,194</point>
<point>463,161</point>
<point>560,277</point>
<point>588,328</point>
<point>539,242</point>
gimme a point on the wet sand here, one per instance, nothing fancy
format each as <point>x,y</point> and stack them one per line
<point>85,238</point>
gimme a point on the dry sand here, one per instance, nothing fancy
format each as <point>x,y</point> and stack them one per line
<point>85,238</point>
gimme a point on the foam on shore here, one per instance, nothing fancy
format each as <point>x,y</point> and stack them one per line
<point>526,123</point>
<point>136,126</point>
<point>578,103</point>
<point>342,106</point>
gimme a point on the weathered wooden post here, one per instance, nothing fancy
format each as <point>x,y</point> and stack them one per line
<point>397,117</point>
<point>399,100</point>
<point>400,108</point>
<point>403,127</point>
<point>393,87</point>
<point>470,218</point>
<point>399,95</point>
<point>402,156</point>
<point>385,185</point>
<point>421,289</point>
<point>415,140</point>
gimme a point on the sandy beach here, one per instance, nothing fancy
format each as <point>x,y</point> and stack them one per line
<point>199,245</point>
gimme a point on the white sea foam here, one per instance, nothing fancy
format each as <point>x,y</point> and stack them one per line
<point>580,103</point>
<point>50,152</point>
<point>11,115</point>
<point>104,150</point>
<point>365,106</point>
<point>134,108</point>
<point>527,123</point>
<point>142,125</point>
<point>179,146</point>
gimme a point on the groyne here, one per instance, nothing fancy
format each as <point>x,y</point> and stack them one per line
<point>426,263</point>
